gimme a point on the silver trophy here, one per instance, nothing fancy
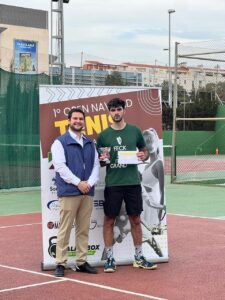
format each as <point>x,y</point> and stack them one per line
<point>105,151</point>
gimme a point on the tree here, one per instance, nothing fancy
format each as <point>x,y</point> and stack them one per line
<point>201,103</point>
<point>167,111</point>
<point>114,78</point>
<point>217,90</point>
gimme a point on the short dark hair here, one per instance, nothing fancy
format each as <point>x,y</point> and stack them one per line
<point>116,102</point>
<point>75,110</point>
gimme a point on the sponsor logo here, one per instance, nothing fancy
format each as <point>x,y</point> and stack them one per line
<point>117,166</point>
<point>120,148</point>
<point>119,140</point>
<point>55,225</point>
<point>94,224</point>
<point>50,225</point>
<point>98,204</point>
<point>92,249</point>
<point>54,181</point>
<point>52,246</point>
<point>53,205</point>
<point>50,164</point>
<point>53,189</point>
<point>49,157</point>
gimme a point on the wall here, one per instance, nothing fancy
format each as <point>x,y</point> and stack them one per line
<point>220,129</point>
<point>199,142</point>
<point>192,142</point>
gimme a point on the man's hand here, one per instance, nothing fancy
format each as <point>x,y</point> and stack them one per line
<point>84,187</point>
<point>141,155</point>
<point>103,156</point>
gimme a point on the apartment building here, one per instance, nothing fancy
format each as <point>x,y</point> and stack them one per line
<point>189,77</point>
<point>96,76</point>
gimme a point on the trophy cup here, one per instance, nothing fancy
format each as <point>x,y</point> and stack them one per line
<point>105,151</point>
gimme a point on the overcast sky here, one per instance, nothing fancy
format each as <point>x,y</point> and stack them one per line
<point>133,30</point>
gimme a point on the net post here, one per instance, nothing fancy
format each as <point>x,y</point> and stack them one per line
<point>173,163</point>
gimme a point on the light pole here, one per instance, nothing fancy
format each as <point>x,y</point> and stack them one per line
<point>170,11</point>
<point>57,36</point>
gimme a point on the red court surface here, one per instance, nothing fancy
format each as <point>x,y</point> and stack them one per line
<point>196,268</point>
<point>196,164</point>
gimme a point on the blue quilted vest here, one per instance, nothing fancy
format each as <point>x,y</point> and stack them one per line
<point>79,160</point>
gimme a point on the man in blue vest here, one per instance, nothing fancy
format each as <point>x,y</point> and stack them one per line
<point>76,164</point>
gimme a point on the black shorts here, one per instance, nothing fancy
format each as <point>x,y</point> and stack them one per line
<point>115,195</point>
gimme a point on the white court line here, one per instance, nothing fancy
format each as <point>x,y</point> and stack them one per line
<point>29,286</point>
<point>77,281</point>
<point>20,225</point>
<point>19,214</point>
<point>222,218</point>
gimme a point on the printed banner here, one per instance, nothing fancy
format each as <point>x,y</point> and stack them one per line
<point>25,57</point>
<point>143,108</point>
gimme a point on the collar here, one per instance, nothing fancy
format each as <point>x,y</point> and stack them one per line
<point>75,136</point>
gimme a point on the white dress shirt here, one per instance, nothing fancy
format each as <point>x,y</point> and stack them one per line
<point>59,162</point>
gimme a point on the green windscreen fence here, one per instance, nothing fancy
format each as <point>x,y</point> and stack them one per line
<point>19,129</point>
<point>199,159</point>
<point>199,155</point>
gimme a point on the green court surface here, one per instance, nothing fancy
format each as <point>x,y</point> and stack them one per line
<point>18,202</point>
<point>194,200</point>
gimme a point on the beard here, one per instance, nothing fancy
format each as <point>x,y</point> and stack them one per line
<point>76,128</point>
<point>117,118</point>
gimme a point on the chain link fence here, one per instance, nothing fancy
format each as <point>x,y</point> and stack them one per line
<point>199,118</point>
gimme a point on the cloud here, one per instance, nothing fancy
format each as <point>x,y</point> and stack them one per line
<point>134,30</point>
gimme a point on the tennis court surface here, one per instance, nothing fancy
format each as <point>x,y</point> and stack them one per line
<point>196,268</point>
